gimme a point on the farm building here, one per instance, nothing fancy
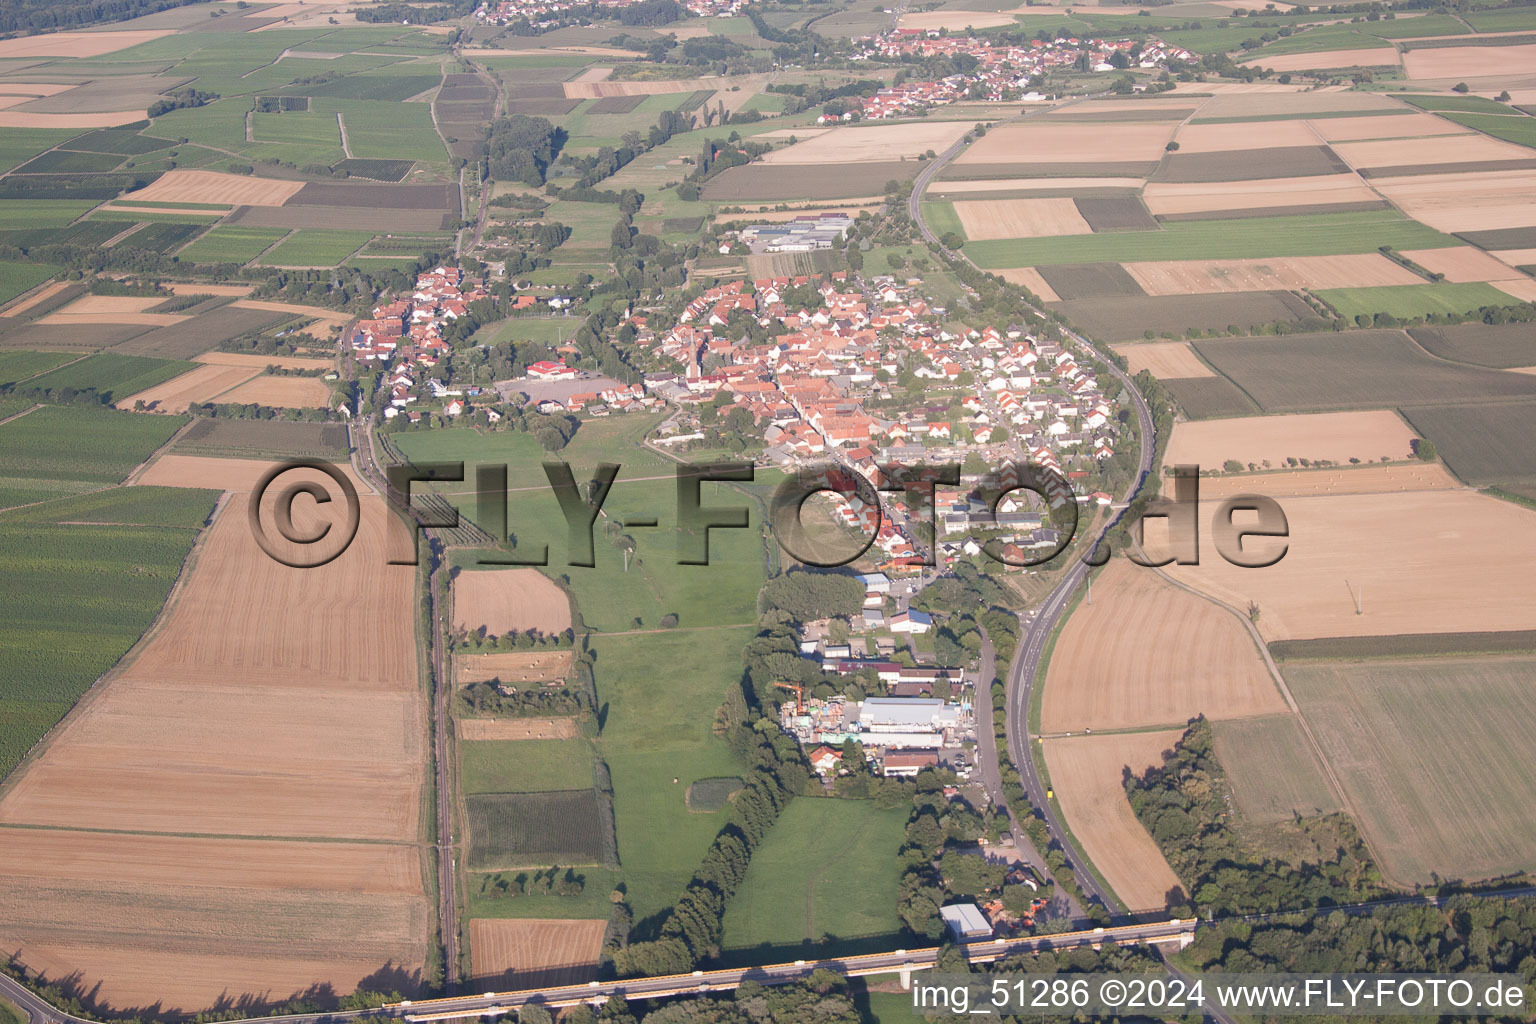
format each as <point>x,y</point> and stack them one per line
<point>966,922</point>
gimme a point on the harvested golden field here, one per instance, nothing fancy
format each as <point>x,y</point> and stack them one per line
<point>534,952</point>
<point>1460,263</point>
<point>184,186</point>
<point>215,474</point>
<point>76,44</point>
<point>1513,257</point>
<point>112,309</point>
<point>1437,149</point>
<point>1470,61</point>
<point>281,392</point>
<point>1201,277</point>
<point>956,21</point>
<point>1466,200</point>
<point>506,600</point>
<point>1270,440</point>
<point>1029,277</point>
<point>197,288</point>
<point>1146,653</point>
<point>1167,360</point>
<point>1387,126</point>
<point>1086,773</point>
<point>334,319</point>
<point>1523,289</point>
<point>1036,142</point>
<point>1298,483</point>
<point>200,385</point>
<point>262,362</point>
<point>1270,99</point>
<point>1221,138</point>
<point>877,143</point>
<point>939,189</point>
<point>36,299</point>
<point>269,701</point>
<point>1168,197</point>
<point>1021,218</point>
<point>1116,106</point>
<point>1372,57</point>
<point>517,728</point>
<point>95,119</point>
<point>1424,562</point>
<point>515,666</point>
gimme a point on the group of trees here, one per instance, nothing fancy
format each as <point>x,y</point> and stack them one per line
<point>806,595</point>
<point>521,148</point>
<point>540,882</point>
<point>691,930</point>
<point>27,16</point>
<point>1184,806</point>
<point>179,99</point>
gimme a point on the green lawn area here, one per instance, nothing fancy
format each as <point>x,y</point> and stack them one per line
<point>828,868</point>
<point>524,766</point>
<point>322,247</point>
<point>1308,235</point>
<point>231,243</point>
<point>1511,127</point>
<point>942,218</point>
<point>658,728</point>
<point>1413,300</point>
<point>543,330</point>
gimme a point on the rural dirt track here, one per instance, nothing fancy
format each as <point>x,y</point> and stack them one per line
<point>1144,653</point>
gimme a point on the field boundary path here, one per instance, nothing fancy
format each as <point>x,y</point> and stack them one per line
<point>341,126</point>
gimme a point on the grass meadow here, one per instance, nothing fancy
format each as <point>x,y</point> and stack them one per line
<point>1273,773</point>
<point>1409,301</point>
<point>524,766</point>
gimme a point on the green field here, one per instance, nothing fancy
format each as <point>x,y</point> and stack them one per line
<point>22,144</point>
<point>77,597</point>
<point>1307,235</point>
<point>942,218</point>
<point>16,278</point>
<point>1437,757</point>
<point>1320,372</point>
<point>1517,128</point>
<point>1409,301</point>
<point>315,248</point>
<point>1273,772</point>
<point>512,830</point>
<point>524,766</point>
<point>1470,104</point>
<point>113,376</point>
<point>829,868</point>
<point>59,450</point>
<point>1514,19</point>
<point>231,243</point>
<point>18,364</point>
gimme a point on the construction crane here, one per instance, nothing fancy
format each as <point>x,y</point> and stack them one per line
<point>799,695</point>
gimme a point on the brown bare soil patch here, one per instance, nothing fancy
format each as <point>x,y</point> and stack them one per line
<point>199,385</point>
<point>517,729</point>
<point>76,44</point>
<point>1426,562</point>
<point>515,666</point>
<point>1020,218</point>
<point>1332,436</point>
<point>184,186</point>
<point>1220,138</point>
<point>1373,57</point>
<point>36,299</point>
<point>270,702</point>
<point>880,142</point>
<point>262,362</point>
<point>1146,653</point>
<point>1167,197</point>
<point>1393,126</point>
<point>1299,483</point>
<point>1068,143</point>
<point>111,309</point>
<point>1030,278</point>
<point>1470,61</point>
<point>1461,263</point>
<point>280,392</point>
<point>1166,360</point>
<point>1087,773</point>
<point>503,600</point>
<point>1196,277</point>
<point>534,952</point>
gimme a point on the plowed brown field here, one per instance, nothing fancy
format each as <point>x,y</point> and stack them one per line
<point>1146,653</point>
<point>502,600</point>
<point>1086,772</point>
<point>534,952</point>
